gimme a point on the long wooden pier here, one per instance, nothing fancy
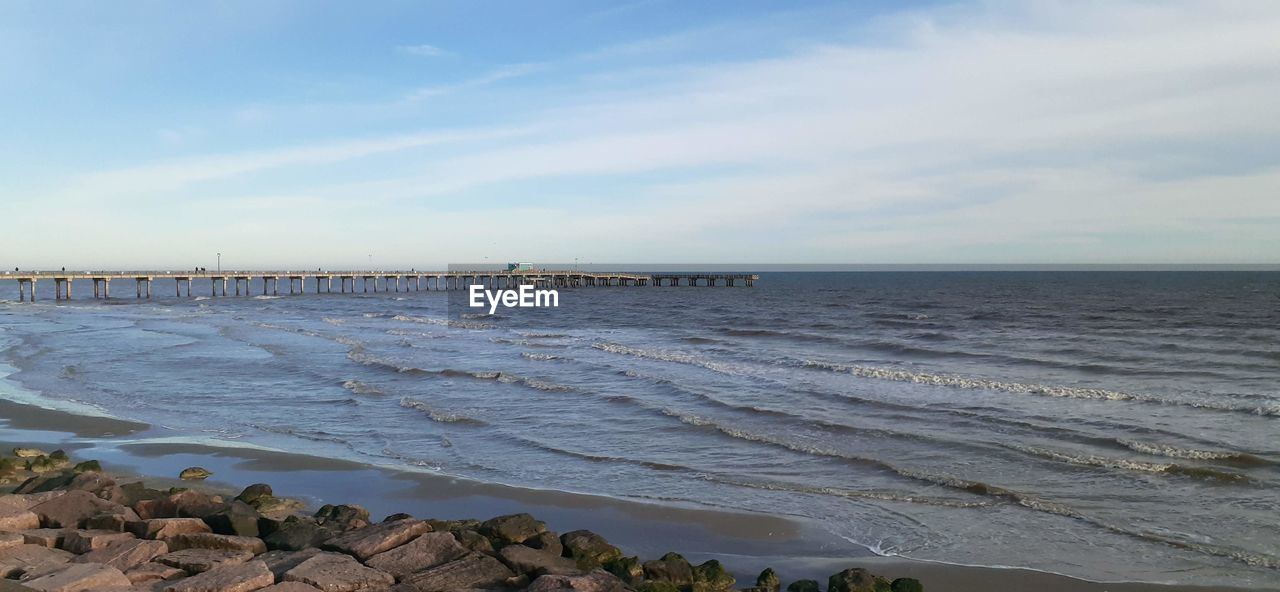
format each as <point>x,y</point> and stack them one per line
<point>411,280</point>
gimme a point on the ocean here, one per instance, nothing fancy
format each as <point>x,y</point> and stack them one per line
<point>1106,425</point>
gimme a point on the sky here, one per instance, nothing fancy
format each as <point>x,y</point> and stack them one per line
<point>328,134</point>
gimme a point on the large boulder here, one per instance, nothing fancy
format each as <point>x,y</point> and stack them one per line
<point>906,585</point>
<point>855,579</point>
<point>16,561</point>
<point>588,549</point>
<point>83,541</point>
<point>72,509</point>
<point>280,562</point>
<point>803,586</point>
<point>126,554</point>
<point>153,572</point>
<point>207,540</point>
<point>163,528</point>
<point>768,581</point>
<point>670,568</point>
<point>202,560</point>
<point>338,573</point>
<point>426,551</point>
<point>535,562</point>
<point>596,581</point>
<point>366,542</point>
<point>18,519</point>
<point>511,529</point>
<point>298,532</point>
<point>343,516</point>
<point>629,569</point>
<point>710,576</point>
<point>236,518</point>
<point>472,571</point>
<point>474,541</point>
<point>242,577</point>
<point>81,577</point>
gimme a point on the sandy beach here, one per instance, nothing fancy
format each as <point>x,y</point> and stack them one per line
<point>744,543</point>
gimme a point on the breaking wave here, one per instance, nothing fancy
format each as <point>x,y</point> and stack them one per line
<point>1070,392</point>
<point>1130,465</point>
<point>361,388</point>
<point>1237,458</point>
<point>437,415</point>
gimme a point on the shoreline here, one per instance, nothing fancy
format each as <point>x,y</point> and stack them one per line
<point>744,542</point>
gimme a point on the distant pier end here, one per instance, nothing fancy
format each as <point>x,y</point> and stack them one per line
<point>391,280</point>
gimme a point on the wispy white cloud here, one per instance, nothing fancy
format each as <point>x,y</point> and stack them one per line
<point>492,77</point>
<point>423,50</point>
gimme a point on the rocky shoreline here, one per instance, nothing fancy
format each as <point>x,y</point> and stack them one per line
<point>68,527</point>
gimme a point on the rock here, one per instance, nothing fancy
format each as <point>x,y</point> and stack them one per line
<point>45,537</point>
<point>906,585</point>
<point>83,541</point>
<point>670,568</point>
<point>855,580</point>
<point>512,528</point>
<point>335,572</point>
<point>655,586</point>
<point>255,492</point>
<point>472,571</point>
<point>9,540</point>
<point>163,528</point>
<point>710,576</point>
<point>429,550</point>
<point>111,521</point>
<point>72,509</point>
<point>153,572</point>
<point>596,581</point>
<point>16,561</point>
<point>88,465</point>
<point>296,533</point>
<point>398,516</point>
<point>547,541</point>
<point>189,503</point>
<point>194,474</point>
<point>803,586</point>
<point>768,581</point>
<point>29,452</point>
<point>628,569</point>
<point>202,560</point>
<point>286,587</point>
<point>45,482</point>
<point>138,491</point>
<point>242,577</point>
<point>92,482</point>
<point>588,548</point>
<point>453,525</point>
<point>237,518</point>
<point>27,501</point>
<point>277,506</point>
<point>124,555</point>
<point>366,542</point>
<point>45,464</point>
<point>474,541</point>
<point>17,519</point>
<point>526,560</point>
<point>280,562</point>
<point>206,540</point>
<point>81,577</point>
<point>342,517</point>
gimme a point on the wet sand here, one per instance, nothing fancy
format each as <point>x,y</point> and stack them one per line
<point>744,542</point>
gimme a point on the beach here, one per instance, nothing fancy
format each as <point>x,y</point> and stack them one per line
<point>744,543</point>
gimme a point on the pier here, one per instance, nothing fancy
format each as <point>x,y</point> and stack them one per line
<point>322,282</point>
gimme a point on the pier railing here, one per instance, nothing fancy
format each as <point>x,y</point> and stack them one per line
<point>392,280</point>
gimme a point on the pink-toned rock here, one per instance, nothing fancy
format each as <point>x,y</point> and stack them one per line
<point>428,550</point>
<point>202,560</point>
<point>18,519</point>
<point>155,508</point>
<point>9,540</point>
<point>16,561</point>
<point>472,571</point>
<point>280,562</point>
<point>535,562</point>
<point>286,587</point>
<point>83,541</point>
<point>112,520</point>
<point>334,572</point>
<point>27,500</point>
<point>207,540</point>
<point>153,572</point>
<point>81,577</point>
<point>163,528</point>
<point>366,542</point>
<point>71,509</point>
<point>125,554</point>
<point>596,581</point>
<point>243,577</point>
<point>45,537</point>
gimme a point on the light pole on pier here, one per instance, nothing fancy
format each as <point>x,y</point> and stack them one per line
<point>219,262</point>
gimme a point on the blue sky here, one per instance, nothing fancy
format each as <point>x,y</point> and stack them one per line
<point>314,134</point>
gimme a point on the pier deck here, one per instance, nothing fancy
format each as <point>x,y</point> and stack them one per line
<point>411,280</point>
